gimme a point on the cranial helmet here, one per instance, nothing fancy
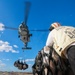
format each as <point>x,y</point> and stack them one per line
<point>54,25</point>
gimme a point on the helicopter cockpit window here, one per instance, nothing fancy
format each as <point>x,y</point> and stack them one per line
<point>23,28</point>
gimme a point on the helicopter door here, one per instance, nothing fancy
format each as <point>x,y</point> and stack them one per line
<point>25,39</point>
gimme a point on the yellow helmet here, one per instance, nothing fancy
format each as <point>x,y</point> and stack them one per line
<point>54,25</point>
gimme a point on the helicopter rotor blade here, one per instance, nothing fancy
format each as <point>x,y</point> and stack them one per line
<point>37,30</point>
<point>9,28</point>
<point>27,8</point>
<point>40,30</point>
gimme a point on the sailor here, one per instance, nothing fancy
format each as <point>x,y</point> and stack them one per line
<point>62,39</point>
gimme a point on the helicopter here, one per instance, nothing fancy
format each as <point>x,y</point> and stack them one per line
<point>23,31</point>
<point>24,35</point>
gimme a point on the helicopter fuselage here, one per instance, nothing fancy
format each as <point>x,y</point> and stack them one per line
<point>24,34</point>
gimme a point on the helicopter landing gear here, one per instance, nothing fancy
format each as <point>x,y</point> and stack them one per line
<point>30,35</point>
<point>18,36</point>
<point>26,47</point>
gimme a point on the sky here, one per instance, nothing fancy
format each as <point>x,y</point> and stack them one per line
<point>42,14</point>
